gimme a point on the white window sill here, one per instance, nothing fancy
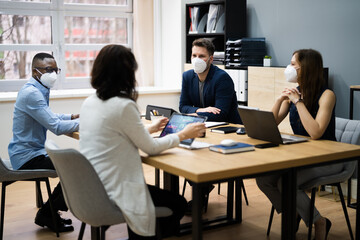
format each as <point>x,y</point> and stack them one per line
<point>83,93</point>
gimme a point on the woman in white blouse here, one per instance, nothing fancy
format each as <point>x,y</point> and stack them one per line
<point>111,134</point>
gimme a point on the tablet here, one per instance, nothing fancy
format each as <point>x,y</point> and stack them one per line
<point>177,122</point>
<point>157,110</point>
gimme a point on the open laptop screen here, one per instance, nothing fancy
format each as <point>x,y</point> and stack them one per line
<point>177,122</point>
<point>262,125</point>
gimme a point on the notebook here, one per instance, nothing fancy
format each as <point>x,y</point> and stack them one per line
<point>239,147</point>
<point>177,122</point>
<point>157,110</point>
<point>262,125</point>
<point>224,130</point>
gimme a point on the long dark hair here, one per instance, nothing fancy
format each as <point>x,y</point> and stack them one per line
<point>311,78</point>
<point>113,73</point>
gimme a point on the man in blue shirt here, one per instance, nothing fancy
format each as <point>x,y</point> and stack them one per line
<point>208,90</point>
<point>32,118</point>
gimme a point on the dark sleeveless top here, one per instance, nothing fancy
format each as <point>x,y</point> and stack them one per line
<point>299,129</point>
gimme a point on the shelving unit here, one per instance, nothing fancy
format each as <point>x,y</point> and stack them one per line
<point>234,28</point>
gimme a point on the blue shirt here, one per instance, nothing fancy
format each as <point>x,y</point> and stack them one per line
<point>32,118</point>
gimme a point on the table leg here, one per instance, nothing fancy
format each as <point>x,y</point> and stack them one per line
<point>171,182</point>
<point>197,211</point>
<point>351,103</point>
<point>157,177</point>
<point>238,200</point>
<point>230,200</point>
<point>288,202</point>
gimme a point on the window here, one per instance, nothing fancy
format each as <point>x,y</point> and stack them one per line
<point>73,31</point>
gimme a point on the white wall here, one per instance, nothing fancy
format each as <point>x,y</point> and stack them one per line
<point>325,25</point>
<point>171,43</point>
<point>73,106</point>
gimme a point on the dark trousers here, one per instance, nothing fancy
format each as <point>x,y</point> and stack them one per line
<point>44,162</point>
<point>169,226</point>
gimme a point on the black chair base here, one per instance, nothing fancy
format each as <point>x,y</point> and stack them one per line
<point>38,199</point>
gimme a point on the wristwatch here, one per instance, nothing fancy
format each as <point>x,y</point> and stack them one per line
<point>297,100</point>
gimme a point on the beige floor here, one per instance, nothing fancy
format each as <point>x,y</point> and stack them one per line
<point>20,211</point>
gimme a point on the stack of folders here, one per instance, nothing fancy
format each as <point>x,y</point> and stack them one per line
<point>219,58</point>
<point>215,19</point>
<point>239,147</point>
<point>245,52</point>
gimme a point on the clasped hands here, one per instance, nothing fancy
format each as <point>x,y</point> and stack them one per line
<point>291,94</point>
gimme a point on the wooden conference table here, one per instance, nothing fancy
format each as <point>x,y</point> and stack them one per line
<point>204,166</point>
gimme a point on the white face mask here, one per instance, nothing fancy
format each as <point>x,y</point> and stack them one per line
<point>290,74</point>
<point>48,79</point>
<point>199,65</point>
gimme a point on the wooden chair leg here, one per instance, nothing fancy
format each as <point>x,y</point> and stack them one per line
<point>82,230</point>
<point>270,220</point>
<point>219,184</point>
<point>312,206</point>
<point>53,213</point>
<point>345,210</point>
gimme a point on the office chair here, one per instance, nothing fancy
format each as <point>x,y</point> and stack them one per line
<point>9,176</point>
<point>347,131</point>
<point>85,194</point>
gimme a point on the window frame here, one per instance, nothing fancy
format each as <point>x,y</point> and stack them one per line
<point>58,10</point>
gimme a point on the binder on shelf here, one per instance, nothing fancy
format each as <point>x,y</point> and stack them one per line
<point>212,15</point>
<point>220,16</point>
<point>202,24</point>
<point>190,15</point>
<point>194,19</point>
<point>220,25</point>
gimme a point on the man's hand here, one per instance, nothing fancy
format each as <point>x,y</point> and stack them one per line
<point>74,116</point>
<point>213,110</point>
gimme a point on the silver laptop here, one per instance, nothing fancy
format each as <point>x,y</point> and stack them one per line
<point>262,125</point>
<point>177,122</point>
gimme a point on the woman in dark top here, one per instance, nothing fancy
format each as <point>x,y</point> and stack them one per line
<point>311,106</point>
